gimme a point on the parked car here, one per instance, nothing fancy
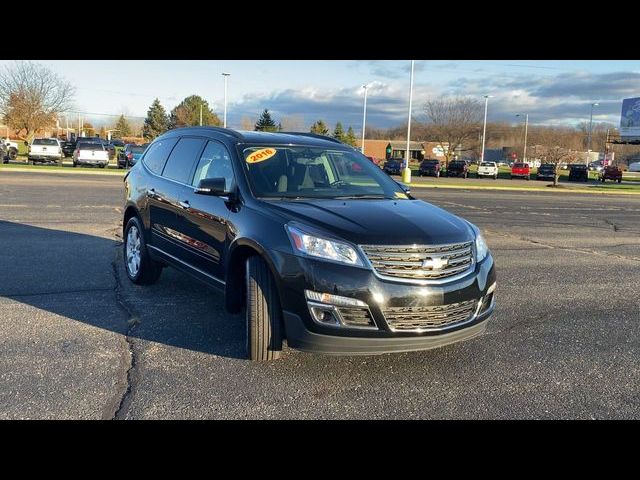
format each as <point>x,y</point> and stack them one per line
<point>3,153</point>
<point>634,167</point>
<point>458,168</point>
<point>45,150</point>
<point>393,166</point>
<point>283,225</point>
<point>611,172</point>
<point>92,153</point>
<point>564,166</point>
<point>430,168</point>
<point>488,169</point>
<point>68,148</point>
<point>503,164</point>
<point>10,150</point>
<point>595,166</point>
<point>546,171</point>
<point>128,156</point>
<point>578,172</point>
<point>521,170</point>
<point>116,142</point>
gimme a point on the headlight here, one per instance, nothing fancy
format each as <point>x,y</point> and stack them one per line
<point>481,247</point>
<point>322,247</point>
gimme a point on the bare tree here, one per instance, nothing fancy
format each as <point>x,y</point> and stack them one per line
<point>455,120</point>
<point>553,146</point>
<point>293,123</point>
<point>246,123</point>
<point>32,96</point>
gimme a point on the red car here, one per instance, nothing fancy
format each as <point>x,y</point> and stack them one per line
<point>521,170</point>
<point>611,172</point>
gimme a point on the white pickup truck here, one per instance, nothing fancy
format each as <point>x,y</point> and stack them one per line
<point>488,169</point>
<point>90,153</point>
<point>43,150</point>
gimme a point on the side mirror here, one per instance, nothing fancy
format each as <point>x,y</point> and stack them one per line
<point>212,186</point>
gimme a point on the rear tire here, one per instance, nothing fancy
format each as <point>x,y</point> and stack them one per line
<point>264,315</point>
<point>13,154</point>
<point>144,270</point>
<point>619,180</point>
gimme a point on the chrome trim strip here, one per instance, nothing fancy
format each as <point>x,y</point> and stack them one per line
<point>187,264</point>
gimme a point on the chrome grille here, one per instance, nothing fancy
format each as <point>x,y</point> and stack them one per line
<point>417,261</point>
<point>406,319</point>
<point>356,317</point>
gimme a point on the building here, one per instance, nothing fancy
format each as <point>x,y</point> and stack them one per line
<point>385,149</point>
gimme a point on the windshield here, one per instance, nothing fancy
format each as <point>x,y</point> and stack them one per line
<point>487,164</point>
<point>518,165</point>
<point>90,146</point>
<point>547,167</point>
<point>136,149</point>
<point>285,171</point>
<point>45,141</point>
<point>431,162</point>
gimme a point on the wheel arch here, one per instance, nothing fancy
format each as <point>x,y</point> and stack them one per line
<point>239,251</point>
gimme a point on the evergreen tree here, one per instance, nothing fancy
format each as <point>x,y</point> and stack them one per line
<point>338,132</point>
<point>123,128</point>
<point>350,138</point>
<point>319,128</point>
<point>265,123</point>
<point>156,122</point>
<point>187,113</point>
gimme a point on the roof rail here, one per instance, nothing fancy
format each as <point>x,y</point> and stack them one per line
<point>227,131</point>
<point>313,135</point>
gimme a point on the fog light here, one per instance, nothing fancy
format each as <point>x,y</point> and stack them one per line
<point>324,314</point>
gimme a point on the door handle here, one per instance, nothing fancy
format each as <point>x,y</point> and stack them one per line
<point>184,204</point>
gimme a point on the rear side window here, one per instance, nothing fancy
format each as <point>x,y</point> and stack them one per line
<point>182,158</point>
<point>45,141</point>
<point>158,153</point>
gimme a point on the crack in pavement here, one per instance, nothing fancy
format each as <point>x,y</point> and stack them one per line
<point>558,247</point>
<point>609,222</point>
<point>120,403</point>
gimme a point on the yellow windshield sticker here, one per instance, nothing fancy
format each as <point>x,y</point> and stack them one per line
<point>401,195</point>
<point>261,155</point>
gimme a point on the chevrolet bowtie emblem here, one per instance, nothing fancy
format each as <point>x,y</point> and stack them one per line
<point>435,263</point>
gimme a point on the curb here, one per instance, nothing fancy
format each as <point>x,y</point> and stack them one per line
<point>63,172</point>
<point>531,189</point>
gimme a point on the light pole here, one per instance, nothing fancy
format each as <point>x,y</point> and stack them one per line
<point>526,128</point>
<point>225,75</point>
<point>590,130</point>
<point>364,115</point>
<point>406,174</point>
<point>484,128</point>
<point>201,113</point>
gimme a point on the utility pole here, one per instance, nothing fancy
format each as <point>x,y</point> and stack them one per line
<point>406,174</point>
<point>484,128</point>
<point>200,113</point>
<point>226,76</point>
<point>364,115</point>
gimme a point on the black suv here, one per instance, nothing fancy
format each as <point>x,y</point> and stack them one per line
<point>68,147</point>
<point>546,171</point>
<point>430,168</point>
<point>458,168</point>
<point>318,245</point>
<point>578,172</point>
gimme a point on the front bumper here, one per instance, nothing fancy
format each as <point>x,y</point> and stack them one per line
<point>295,274</point>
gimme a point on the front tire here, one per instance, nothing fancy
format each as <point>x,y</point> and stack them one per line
<point>140,267</point>
<point>264,315</point>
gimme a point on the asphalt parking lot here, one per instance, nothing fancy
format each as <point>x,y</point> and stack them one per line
<point>77,340</point>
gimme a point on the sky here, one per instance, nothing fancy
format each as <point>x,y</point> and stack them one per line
<point>551,92</point>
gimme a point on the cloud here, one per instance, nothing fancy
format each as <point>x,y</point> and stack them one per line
<point>564,98</point>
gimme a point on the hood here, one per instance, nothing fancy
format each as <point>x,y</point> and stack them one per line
<point>381,222</point>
